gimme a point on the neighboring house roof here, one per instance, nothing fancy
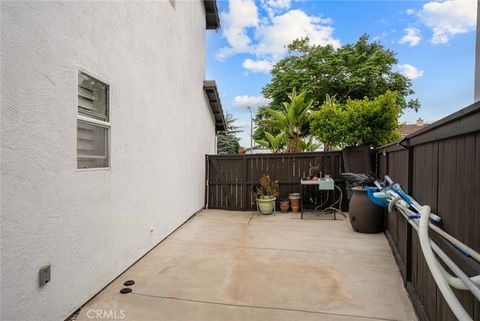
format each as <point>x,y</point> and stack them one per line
<point>211,14</point>
<point>210,89</point>
<point>407,129</point>
<point>257,149</point>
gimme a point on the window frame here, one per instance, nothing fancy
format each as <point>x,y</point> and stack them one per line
<point>90,120</point>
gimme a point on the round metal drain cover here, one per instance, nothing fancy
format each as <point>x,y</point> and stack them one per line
<point>129,282</point>
<point>125,290</point>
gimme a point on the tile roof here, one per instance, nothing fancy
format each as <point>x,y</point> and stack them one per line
<point>407,129</point>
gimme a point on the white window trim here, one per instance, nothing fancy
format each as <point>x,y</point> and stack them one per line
<point>104,124</point>
<point>90,120</point>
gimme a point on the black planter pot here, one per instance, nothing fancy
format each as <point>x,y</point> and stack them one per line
<point>365,216</point>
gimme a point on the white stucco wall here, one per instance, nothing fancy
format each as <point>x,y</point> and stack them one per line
<point>91,225</point>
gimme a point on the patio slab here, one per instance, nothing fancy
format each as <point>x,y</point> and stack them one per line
<point>241,266</point>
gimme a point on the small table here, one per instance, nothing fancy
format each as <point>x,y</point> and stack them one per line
<point>324,184</point>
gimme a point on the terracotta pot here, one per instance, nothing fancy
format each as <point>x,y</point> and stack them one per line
<point>294,200</point>
<point>295,209</point>
<point>284,206</point>
<point>365,217</point>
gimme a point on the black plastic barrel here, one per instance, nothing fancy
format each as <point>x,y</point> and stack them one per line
<point>365,216</point>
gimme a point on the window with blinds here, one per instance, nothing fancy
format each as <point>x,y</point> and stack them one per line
<point>93,124</point>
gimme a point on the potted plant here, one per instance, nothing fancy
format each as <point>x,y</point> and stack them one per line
<point>284,205</point>
<point>265,194</point>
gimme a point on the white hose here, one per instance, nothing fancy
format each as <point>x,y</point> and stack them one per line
<point>432,263</point>
<point>475,255</point>
<point>456,242</point>
<point>461,283</point>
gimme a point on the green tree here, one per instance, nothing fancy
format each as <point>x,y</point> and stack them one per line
<point>328,123</point>
<point>358,121</point>
<point>274,143</point>
<point>354,71</point>
<point>309,145</point>
<point>227,141</point>
<point>291,120</point>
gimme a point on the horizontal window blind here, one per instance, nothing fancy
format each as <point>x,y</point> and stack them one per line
<point>92,124</point>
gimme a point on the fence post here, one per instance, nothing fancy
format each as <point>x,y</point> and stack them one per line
<point>207,191</point>
<point>244,178</point>
<point>408,236</point>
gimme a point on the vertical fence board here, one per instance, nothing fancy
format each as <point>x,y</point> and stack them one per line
<point>231,178</point>
<point>445,176</point>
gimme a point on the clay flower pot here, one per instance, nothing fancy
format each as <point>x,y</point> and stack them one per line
<point>284,206</point>
<point>295,202</point>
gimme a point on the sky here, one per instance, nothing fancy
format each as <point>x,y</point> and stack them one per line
<point>434,42</point>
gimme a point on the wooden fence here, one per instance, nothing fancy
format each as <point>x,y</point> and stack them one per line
<point>231,178</point>
<point>440,167</point>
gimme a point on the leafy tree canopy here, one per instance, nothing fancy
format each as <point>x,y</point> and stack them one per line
<point>355,71</point>
<point>361,121</point>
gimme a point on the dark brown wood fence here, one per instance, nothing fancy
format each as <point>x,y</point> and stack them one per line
<point>231,178</point>
<point>440,167</point>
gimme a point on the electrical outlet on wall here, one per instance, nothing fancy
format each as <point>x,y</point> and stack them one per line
<point>44,275</point>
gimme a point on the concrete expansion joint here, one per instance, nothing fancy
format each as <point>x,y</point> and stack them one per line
<point>273,248</point>
<point>263,307</point>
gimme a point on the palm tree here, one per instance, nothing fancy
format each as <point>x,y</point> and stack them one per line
<point>291,119</point>
<point>309,145</point>
<point>274,143</point>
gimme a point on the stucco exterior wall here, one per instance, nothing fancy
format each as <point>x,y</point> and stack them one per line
<point>90,225</point>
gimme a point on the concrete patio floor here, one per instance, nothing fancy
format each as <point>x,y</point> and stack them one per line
<point>243,266</point>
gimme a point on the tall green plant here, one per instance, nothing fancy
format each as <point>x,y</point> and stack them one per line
<point>274,143</point>
<point>309,145</point>
<point>291,119</point>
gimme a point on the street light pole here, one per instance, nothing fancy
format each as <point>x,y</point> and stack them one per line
<point>251,130</point>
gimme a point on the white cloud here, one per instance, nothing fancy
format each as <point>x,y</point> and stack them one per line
<point>242,124</point>
<point>242,14</point>
<point>410,11</point>
<point>279,4</point>
<point>257,65</point>
<point>449,18</point>
<point>412,37</point>
<point>250,101</point>
<point>273,7</point>
<point>267,39</point>
<point>410,71</point>
<point>283,29</point>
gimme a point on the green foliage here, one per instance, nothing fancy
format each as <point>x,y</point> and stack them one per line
<point>309,145</point>
<point>355,71</point>
<point>227,141</point>
<point>227,144</point>
<point>274,143</point>
<point>366,121</point>
<point>291,119</point>
<point>267,188</point>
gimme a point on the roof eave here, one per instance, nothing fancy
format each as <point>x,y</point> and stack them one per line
<point>211,15</point>
<point>213,98</point>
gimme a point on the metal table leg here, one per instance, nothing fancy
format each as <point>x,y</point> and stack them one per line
<point>301,202</point>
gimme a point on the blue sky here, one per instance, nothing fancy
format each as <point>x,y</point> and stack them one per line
<point>434,41</point>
